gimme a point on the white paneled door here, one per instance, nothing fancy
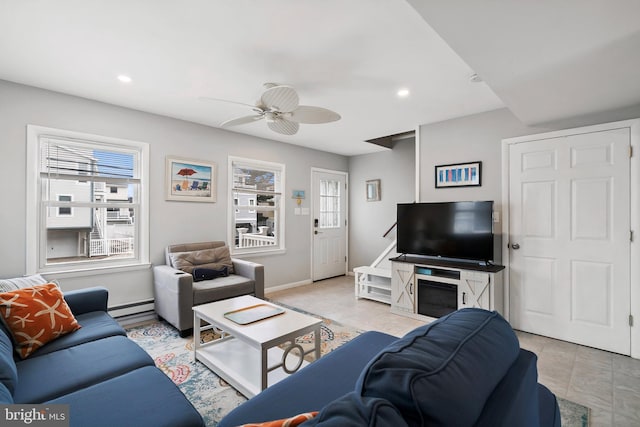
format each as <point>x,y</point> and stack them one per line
<point>569,235</point>
<point>329,224</point>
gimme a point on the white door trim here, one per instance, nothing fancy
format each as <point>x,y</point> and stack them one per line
<point>312,206</point>
<point>634,127</point>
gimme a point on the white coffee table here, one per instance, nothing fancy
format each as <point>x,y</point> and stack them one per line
<point>247,356</point>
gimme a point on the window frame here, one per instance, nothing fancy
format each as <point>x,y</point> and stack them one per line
<point>36,239</point>
<point>279,211</point>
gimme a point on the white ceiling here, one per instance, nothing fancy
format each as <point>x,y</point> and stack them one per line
<point>551,62</point>
<point>349,56</point>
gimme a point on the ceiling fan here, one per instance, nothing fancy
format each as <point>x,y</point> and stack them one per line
<point>279,107</point>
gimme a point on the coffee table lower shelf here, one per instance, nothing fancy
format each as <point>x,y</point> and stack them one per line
<point>240,364</point>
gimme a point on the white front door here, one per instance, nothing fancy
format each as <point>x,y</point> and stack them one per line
<point>329,224</point>
<point>569,235</point>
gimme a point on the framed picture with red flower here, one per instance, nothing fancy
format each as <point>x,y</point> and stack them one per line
<point>190,180</point>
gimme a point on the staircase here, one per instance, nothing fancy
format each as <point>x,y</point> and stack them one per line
<point>374,281</point>
<point>97,246</point>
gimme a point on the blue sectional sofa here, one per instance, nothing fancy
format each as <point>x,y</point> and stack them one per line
<point>104,377</point>
<point>465,369</point>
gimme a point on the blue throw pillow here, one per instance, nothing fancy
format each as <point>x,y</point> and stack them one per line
<point>442,373</point>
<point>200,274</point>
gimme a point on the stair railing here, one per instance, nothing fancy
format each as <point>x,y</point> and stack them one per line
<point>388,250</point>
<point>386,233</point>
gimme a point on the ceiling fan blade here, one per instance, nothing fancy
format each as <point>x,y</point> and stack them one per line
<point>283,126</point>
<point>208,98</point>
<point>312,115</point>
<point>241,121</point>
<point>280,98</point>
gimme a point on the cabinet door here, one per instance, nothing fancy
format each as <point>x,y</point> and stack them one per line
<point>474,290</point>
<point>402,287</point>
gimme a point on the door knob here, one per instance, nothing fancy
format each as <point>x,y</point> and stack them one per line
<point>515,246</point>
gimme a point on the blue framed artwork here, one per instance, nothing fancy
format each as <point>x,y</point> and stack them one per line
<point>459,175</point>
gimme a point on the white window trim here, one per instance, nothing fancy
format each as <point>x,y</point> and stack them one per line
<point>281,248</point>
<point>35,253</point>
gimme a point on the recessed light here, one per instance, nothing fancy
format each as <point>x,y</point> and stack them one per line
<point>124,79</point>
<point>403,93</point>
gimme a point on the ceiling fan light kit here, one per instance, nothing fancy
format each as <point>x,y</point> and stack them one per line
<point>280,107</point>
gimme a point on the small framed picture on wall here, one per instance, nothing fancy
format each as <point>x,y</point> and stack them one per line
<point>373,190</point>
<point>459,175</point>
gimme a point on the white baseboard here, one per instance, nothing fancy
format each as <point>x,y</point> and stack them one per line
<point>271,289</point>
<point>131,309</point>
<point>131,319</point>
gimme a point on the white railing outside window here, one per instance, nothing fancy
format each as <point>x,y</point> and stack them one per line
<point>255,206</point>
<point>108,247</point>
<point>250,240</point>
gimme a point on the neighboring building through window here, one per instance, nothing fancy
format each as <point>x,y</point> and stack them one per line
<point>84,193</point>
<point>64,210</point>
<point>257,216</point>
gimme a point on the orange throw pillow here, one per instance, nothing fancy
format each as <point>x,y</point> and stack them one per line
<point>36,316</point>
<point>287,422</point>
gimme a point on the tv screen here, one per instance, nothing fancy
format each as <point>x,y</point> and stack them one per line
<point>458,230</point>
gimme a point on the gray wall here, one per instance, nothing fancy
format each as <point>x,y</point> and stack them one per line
<point>468,139</point>
<point>369,220</point>
<point>170,222</point>
<point>472,138</point>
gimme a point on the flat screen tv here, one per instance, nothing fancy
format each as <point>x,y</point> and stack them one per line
<point>454,230</point>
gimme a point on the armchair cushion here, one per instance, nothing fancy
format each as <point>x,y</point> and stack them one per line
<point>214,258</point>
<point>221,288</point>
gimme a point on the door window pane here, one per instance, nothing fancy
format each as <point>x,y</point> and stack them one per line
<point>329,203</point>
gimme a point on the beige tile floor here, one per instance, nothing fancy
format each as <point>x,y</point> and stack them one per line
<point>607,383</point>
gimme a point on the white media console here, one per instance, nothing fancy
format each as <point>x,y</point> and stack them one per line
<point>429,288</point>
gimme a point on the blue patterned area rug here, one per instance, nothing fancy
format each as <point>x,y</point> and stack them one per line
<point>208,393</point>
<point>573,414</point>
<point>214,398</point>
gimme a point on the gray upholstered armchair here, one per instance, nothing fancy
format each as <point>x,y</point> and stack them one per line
<point>176,292</point>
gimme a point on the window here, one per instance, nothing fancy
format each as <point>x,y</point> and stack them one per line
<point>257,214</point>
<point>64,210</point>
<point>78,221</point>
